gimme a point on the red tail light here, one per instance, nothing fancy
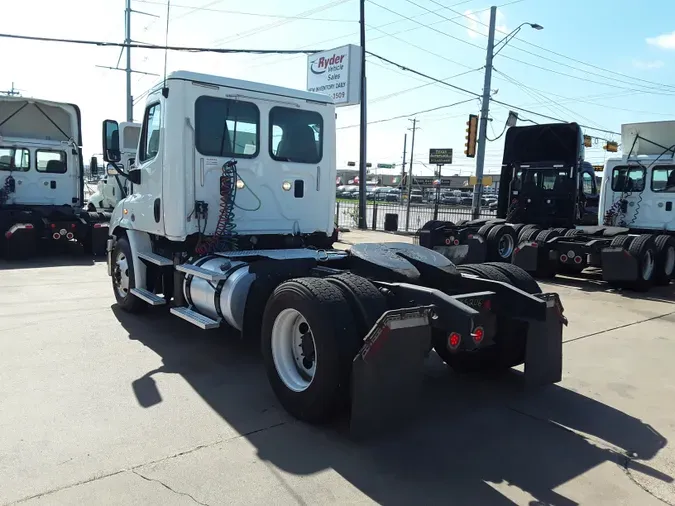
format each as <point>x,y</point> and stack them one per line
<point>454,339</point>
<point>487,304</point>
<point>563,258</point>
<point>577,259</point>
<point>53,225</point>
<point>478,334</point>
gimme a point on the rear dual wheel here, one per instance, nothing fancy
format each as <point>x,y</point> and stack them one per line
<point>501,241</point>
<point>311,331</point>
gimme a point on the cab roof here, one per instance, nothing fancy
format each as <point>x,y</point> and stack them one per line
<point>227,82</point>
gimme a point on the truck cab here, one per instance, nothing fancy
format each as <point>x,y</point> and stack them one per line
<point>40,144</point>
<point>545,180</point>
<point>113,187</point>
<point>193,125</point>
<point>638,188</point>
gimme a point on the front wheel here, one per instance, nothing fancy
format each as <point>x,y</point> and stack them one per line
<point>123,278</point>
<point>309,338</point>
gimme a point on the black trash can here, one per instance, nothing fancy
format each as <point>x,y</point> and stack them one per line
<point>391,222</point>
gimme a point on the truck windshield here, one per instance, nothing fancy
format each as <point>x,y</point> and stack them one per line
<point>663,179</point>
<point>552,179</point>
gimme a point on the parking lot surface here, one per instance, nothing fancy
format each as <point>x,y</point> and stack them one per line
<point>100,407</point>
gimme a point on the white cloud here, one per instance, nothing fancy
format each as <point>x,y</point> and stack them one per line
<point>665,41</point>
<point>648,65</point>
<point>479,23</point>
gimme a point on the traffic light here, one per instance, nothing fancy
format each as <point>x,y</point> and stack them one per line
<point>611,147</point>
<point>471,136</point>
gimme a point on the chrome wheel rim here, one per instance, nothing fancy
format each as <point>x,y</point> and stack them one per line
<point>293,350</point>
<point>669,266</point>
<point>121,275</point>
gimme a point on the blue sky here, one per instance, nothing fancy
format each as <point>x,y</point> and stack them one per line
<point>613,37</point>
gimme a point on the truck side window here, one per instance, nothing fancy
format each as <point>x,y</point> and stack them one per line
<point>628,179</point>
<point>227,128</point>
<point>663,179</point>
<point>296,135</point>
<point>150,133</point>
<point>15,159</point>
<point>52,162</point>
<point>588,184</point>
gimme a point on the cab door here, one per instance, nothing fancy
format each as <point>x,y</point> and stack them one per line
<point>663,197</point>
<point>589,198</point>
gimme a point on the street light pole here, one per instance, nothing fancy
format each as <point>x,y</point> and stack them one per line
<point>484,112</point>
<point>485,106</point>
<point>364,123</point>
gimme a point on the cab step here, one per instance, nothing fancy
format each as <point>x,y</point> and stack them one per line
<point>156,259</point>
<point>198,272</point>
<point>195,318</point>
<point>149,297</point>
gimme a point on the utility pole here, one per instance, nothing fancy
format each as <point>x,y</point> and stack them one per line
<point>127,40</point>
<point>13,92</point>
<point>405,142</point>
<point>410,175</point>
<point>364,122</point>
<point>484,113</point>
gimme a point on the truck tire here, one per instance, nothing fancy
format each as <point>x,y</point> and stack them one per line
<point>572,232</point>
<point>123,279</point>
<point>561,231</point>
<point>501,241</point>
<point>461,223</point>
<point>509,347</point>
<point>528,232</point>
<point>621,241</point>
<point>665,259</point>
<point>517,227</point>
<point>365,300</point>
<point>483,231</point>
<point>518,277</point>
<point>309,338</point>
<point>643,249</point>
<point>547,268</point>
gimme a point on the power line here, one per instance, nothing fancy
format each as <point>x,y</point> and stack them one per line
<point>242,13</point>
<point>458,88</point>
<point>426,26</point>
<point>400,92</point>
<point>477,20</point>
<point>408,115</point>
<point>154,46</point>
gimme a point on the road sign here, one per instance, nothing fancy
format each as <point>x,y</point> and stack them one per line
<point>487,180</point>
<point>386,165</point>
<point>440,156</point>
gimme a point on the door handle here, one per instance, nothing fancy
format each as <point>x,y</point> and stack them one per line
<point>318,178</point>
<point>669,206</point>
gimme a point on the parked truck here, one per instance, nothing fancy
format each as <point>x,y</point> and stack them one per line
<point>42,179</point>
<point>229,222</point>
<point>112,187</point>
<point>553,220</point>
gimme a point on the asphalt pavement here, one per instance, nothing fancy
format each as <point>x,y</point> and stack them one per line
<point>101,407</point>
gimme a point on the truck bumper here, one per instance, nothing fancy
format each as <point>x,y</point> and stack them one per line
<point>387,374</point>
<point>618,265</point>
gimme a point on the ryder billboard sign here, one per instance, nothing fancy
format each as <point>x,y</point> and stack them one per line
<point>336,73</point>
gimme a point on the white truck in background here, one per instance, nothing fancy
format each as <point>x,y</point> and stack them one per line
<point>42,179</point>
<point>113,187</point>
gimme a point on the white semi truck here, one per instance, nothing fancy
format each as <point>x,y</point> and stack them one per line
<point>229,221</point>
<point>42,180</point>
<point>112,187</point>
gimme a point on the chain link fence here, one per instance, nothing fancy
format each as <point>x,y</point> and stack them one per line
<point>407,217</point>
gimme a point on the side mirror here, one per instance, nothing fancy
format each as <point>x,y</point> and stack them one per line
<point>111,141</point>
<point>135,176</point>
<point>93,166</point>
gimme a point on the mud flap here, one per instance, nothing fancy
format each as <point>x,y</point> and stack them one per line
<point>543,353</point>
<point>473,252</point>
<point>618,265</point>
<point>526,256</point>
<point>388,372</point>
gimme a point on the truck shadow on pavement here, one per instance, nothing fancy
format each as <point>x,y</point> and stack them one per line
<point>48,258</point>
<point>470,432</point>
<point>592,282</point>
